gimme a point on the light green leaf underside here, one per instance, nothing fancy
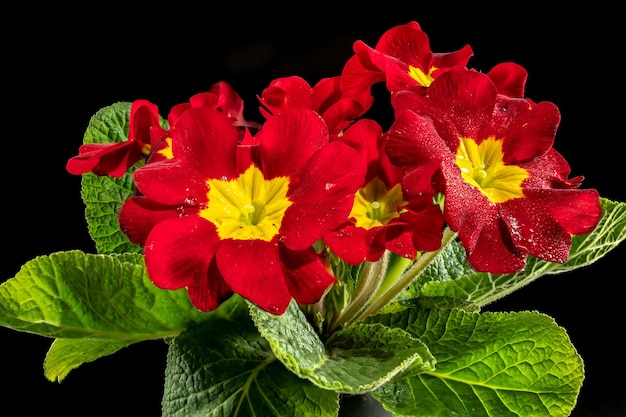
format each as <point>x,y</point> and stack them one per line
<point>450,276</point>
<point>224,367</point>
<point>490,364</point>
<point>355,360</point>
<point>103,297</point>
<point>65,355</point>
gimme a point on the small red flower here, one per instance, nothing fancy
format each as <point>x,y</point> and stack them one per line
<point>402,59</point>
<point>387,214</point>
<point>247,216</point>
<point>220,96</point>
<point>115,159</point>
<point>147,139</point>
<point>507,191</point>
<point>325,98</point>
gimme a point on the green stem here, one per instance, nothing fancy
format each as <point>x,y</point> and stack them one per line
<point>367,286</point>
<point>405,279</point>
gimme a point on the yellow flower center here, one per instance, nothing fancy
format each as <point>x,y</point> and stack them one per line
<point>375,206</point>
<point>248,207</point>
<point>483,167</point>
<point>166,150</point>
<point>420,76</point>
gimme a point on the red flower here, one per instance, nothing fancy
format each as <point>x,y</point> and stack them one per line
<point>116,158</point>
<point>402,59</point>
<point>325,98</point>
<point>507,192</point>
<point>147,139</point>
<point>387,215</point>
<point>247,216</point>
<point>221,96</point>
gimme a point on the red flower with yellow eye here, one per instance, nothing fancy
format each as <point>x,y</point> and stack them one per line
<point>507,191</point>
<point>116,158</point>
<point>402,59</point>
<point>222,97</point>
<point>387,214</point>
<point>247,215</point>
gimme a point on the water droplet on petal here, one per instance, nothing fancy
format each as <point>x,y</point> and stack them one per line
<point>181,211</point>
<point>272,309</point>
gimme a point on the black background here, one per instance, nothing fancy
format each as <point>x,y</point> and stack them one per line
<point>62,65</point>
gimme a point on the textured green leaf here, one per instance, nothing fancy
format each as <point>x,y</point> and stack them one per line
<point>450,276</point>
<point>67,354</point>
<point>365,356</point>
<point>104,195</point>
<point>490,364</point>
<point>355,360</point>
<point>225,368</point>
<point>106,297</point>
<point>292,338</point>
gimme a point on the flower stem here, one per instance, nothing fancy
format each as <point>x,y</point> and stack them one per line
<point>407,277</point>
<point>367,286</point>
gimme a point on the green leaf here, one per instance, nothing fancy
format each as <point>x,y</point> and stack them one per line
<point>103,297</point>
<point>491,364</point>
<point>224,367</point>
<point>354,360</point>
<point>103,195</point>
<point>362,357</point>
<point>450,276</point>
<point>67,354</point>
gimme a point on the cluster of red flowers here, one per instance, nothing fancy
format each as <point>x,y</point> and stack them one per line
<point>224,205</point>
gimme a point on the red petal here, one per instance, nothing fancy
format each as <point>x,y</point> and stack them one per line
<point>307,277</point>
<point>179,253</point>
<point>577,211</point>
<point>170,182</point>
<point>349,243</point>
<point>427,228</point>
<point>531,134</point>
<point>284,94</point>
<point>253,270</point>
<point>542,223</point>
<point>208,292</point>
<point>357,79</point>
<point>491,252</point>
<point>398,240</point>
<point>323,199</point>
<point>467,98</point>
<point>144,124</point>
<point>412,140</point>
<point>509,78</point>
<point>289,140</point>
<point>138,215</point>
<point>207,141</point>
<point>112,159</point>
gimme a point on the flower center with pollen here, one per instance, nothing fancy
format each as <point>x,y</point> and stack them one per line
<point>375,206</point>
<point>420,76</point>
<point>482,166</point>
<point>248,207</point>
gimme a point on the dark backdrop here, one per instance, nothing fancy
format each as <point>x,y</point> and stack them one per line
<point>62,65</point>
